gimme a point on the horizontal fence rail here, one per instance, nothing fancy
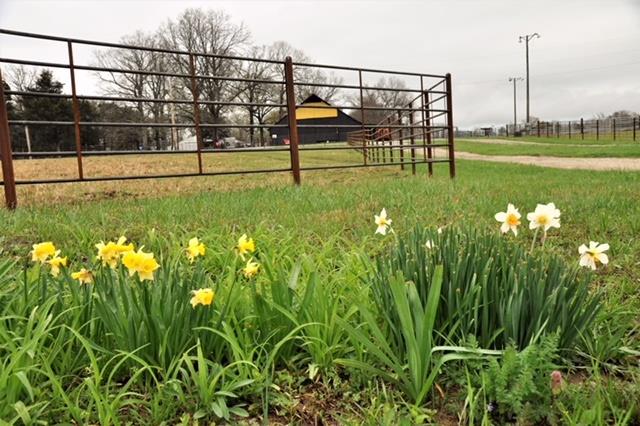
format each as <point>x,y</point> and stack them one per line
<point>403,129</point>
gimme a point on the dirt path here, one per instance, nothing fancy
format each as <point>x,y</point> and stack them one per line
<point>558,162</point>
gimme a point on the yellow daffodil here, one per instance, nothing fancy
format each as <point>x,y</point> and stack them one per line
<point>245,245</point>
<point>203,296</point>
<point>195,249</point>
<point>110,253</point>
<point>510,219</point>
<point>84,276</point>
<point>142,263</point>
<point>383,222</point>
<point>594,254</point>
<point>251,269</point>
<point>56,262</point>
<point>545,216</point>
<point>42,251</point>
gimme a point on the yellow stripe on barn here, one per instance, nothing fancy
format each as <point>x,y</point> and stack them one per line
<point>309,113</point>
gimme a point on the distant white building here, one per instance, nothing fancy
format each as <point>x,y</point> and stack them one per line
<point>188,144</point>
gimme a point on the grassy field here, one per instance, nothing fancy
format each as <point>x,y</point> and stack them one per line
<point>552,148</point>
<point>318,236</point>
<point>564,139</point>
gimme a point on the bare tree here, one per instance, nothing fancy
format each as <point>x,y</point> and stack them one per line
<point>207,33</point>
<point>258,92</point>
<point>137,85</point>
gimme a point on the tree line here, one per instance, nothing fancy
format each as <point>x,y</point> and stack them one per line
<point>211,33</point>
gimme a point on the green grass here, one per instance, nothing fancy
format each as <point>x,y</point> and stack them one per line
<point>605,139</point>
<point>551,149</point>
<point>322,230</point>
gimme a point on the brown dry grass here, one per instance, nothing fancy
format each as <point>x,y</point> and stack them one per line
<point>145,165</point>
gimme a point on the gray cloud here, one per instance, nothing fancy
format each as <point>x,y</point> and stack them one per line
<point>587,61</point>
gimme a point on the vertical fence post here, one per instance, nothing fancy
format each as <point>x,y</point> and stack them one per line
<point>401,140</point>
<point>546,128</point>
<point>293,125</point>
<point>386,134</point>
<point>597,130</point>
<point>391,155</point>
<point>452,160</point>
<point>76,111</point>
<point>196,110</point>
<point>538,128</point>
<point>582,128</point>
<point>614,129</point>
<point>364,138</point>
<point>8,177</point>
<point>558,130</point>
<point>427,130</point>
<point>412,140</point>
<point>634,128</point>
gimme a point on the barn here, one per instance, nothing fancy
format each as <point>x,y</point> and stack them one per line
<point>323,115</point>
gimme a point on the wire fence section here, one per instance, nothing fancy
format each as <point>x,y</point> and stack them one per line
<point>189,103</point>
<point>617,128</point>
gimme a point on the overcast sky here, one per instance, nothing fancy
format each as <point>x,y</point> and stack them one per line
<point>586,62</point>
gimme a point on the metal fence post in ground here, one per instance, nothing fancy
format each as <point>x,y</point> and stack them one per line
<point>538,128</point>
<point>634,128</point>
<point>614,129</point>
<point>400,140</point>
<point>196,110</point>
<point>582,128</point>
<point>412,140</point>
<point>76,111</point>
<point>452,160</point>
<point>293,125</point>
<point>426,125</point>
<point>597,130</point>
<point>546,128</point>
<point>8,177</point>
<point>569,129</point>
<point>391,155</point>
<point>364,138</point>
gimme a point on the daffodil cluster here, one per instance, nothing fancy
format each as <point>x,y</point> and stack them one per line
<point>545,217</point>
<point>46,253</point>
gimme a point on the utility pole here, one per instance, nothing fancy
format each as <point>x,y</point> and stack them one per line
<point>526,39</point>
<point>515,111</point>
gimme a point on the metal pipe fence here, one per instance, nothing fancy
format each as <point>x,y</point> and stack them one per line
<point>428,112</point>
<point>621,128</point>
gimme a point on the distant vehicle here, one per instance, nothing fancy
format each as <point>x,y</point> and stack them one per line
<point>230,142</point>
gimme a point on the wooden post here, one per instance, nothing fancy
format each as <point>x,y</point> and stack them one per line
<point>569,129</point>
<point>76,111</point>
<point>597,130</point>
<point>293,125</point>
<point>196,111</point>
<point>538,128</point>
<point>614,129</point>
<point>452,160</point>
<point>582,128</point>
<point>6,156</point>
<point>412,140</point>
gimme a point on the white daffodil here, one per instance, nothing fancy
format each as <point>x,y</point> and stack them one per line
<point>440,230</point>
<point>545,216</point>
<point>510,219</point>
<point>594,254</point>
<point>383,222</point>
<point>430,244</point>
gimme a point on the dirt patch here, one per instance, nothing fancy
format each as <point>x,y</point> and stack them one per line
<point>627,164</point>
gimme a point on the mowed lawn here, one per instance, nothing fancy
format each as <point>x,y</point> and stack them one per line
<point>601,206</point>
<point>327,225</point>
<point>552,148</point>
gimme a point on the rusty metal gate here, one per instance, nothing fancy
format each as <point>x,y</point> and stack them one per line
<point>395,139</point>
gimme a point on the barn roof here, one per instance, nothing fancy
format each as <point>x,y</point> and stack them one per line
<point>322,110</point>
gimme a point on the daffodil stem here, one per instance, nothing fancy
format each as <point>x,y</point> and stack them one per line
<point>533,242</point>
